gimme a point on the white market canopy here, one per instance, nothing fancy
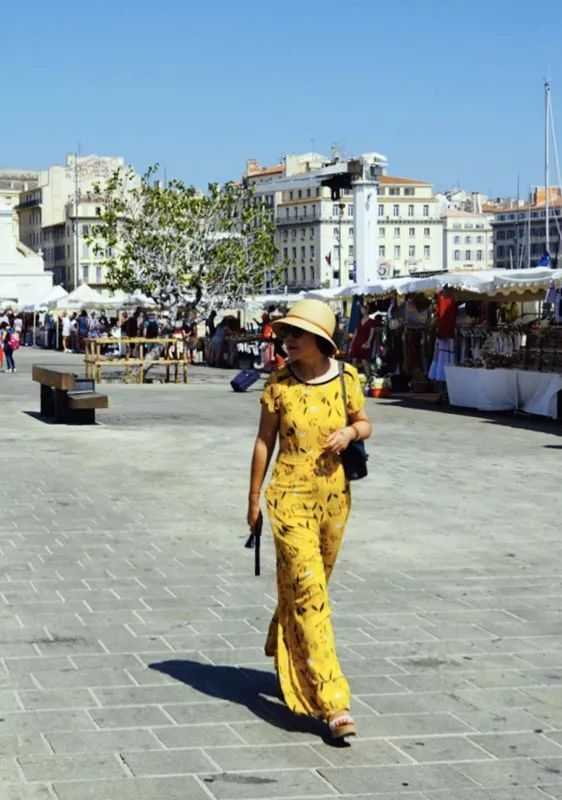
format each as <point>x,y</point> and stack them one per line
<point>485,282</point>
<point>81,297</point>
<point>56,293</point>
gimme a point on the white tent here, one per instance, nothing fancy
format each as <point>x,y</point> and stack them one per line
<point>81,297</point>
<point>485,282</point>
<point>54,294</point>
<point>120,299</point>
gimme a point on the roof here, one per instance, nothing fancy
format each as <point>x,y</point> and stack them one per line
<point>262,173</point>
<point>460,213</point>
<point>391,179</point>
<point>556,203</point>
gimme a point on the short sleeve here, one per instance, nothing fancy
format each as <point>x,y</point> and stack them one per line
<point>270,395</point>
<point>355,396</point>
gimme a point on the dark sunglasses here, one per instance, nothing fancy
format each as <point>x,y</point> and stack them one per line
<point>290,330</point>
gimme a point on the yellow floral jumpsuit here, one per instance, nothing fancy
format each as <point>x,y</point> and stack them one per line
<point>308,502</point>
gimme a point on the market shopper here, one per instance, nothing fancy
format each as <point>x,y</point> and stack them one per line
<point>308,502</point>
<point>446,317</point>
<point>66,330</point>
<point>7,335</point>
<point>362,343</point>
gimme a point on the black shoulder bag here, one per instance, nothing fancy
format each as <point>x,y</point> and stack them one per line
<point>354,457</point>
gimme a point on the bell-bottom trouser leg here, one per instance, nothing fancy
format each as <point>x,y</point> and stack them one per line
<point>307,531</point>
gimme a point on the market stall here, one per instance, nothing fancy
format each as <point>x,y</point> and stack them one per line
<point>492,346</point>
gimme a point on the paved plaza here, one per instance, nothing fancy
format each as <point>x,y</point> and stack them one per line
<point>132,628</point>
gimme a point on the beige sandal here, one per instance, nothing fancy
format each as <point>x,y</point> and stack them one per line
<point>341,725</point>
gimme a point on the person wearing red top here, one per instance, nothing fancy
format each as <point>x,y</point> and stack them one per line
<point>446,315</point>
<point>362,342</point>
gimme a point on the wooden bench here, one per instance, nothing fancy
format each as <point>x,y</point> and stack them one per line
<point>67,397</point>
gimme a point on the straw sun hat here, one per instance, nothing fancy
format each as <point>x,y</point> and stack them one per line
<point>312,316</point>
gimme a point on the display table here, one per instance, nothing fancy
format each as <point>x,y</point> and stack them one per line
<point>504,390</point>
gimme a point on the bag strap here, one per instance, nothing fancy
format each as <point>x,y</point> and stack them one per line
<point>341,371</point>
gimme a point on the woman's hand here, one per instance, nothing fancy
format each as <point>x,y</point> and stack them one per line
<point>339,440</point>
<point>253,511</point>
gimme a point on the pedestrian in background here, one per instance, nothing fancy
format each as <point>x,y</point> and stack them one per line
<point>308,502</point>
<point>10,343</point>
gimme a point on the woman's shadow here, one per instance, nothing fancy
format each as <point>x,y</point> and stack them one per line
<point>248,687</point>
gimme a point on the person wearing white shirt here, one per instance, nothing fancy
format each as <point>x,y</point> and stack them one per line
<point>66,328</point>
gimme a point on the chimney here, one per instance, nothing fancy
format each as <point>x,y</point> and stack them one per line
<point>252,166</point>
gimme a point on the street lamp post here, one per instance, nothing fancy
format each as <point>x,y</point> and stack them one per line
<point>342,209</point>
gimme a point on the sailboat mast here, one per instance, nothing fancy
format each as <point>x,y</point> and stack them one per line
<point>546,162</point>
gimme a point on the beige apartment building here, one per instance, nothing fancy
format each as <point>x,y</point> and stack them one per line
<point>62,199</point>
<point>315,234</point>
<point>467,241</point>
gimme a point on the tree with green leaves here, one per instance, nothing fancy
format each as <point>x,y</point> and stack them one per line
<point>180,246</point>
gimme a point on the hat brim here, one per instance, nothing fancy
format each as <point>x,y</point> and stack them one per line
<point>305,325</point>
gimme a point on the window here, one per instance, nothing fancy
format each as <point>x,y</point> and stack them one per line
<point>68,251</point>
<point>304,212</point>
<point>286,253</point>
<point>300,194</point>
<point>468,239</point>
<point>351,250</point>
<point>98,275</point>
<point>409,191</point>
<point>479,255</point>
<point>294,274</point>
<point>287,212</point>
<point>303,252</point>
<point>457,255</point>
<point>468,255</point>
<point>457,240</point>
<point>85,230</point>
<point>412,250</point>
<point>381,210</point>
<point>303,274</point>
<point>351,232</point>
<point>308,192</point>
<point>350,210</point>
<point>426,232</point>
<point>290,195</point>
<point>336,232</point>
<point>397,231</point>
<point>85,250</point>
<point>411,231</point>
<point>479,240</point>
<point>312,251</point>
<point>314,211</point>
<point>501,250</point>
<point>85,273</point>
<point>426,251</point>
<point>336,253</point>
<point>335,210</point>
<point>394,190</point>
<point>317,191</point>
<point>296,213</point>
<point>410,210</point>
<point>501,234</point>
<point>396,210</point>
<point>293,233</point>
<point>294,253</point>
<point>382,232</point>
<point>382,250</point>
<point>303,233</point>
<point>426,211</point>
<point>396,251</point>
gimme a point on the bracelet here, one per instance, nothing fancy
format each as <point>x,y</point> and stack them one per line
<point>356,431</point>
<point>253,494</point>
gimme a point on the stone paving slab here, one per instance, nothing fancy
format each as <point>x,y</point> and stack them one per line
<point>131,626</point>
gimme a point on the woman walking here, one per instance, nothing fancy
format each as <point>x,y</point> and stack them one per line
<point>308,502</point>
<point>7,335</point>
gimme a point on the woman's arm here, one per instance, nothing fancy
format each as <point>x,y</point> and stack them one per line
<point>263,450</point>
<point>359,427</point>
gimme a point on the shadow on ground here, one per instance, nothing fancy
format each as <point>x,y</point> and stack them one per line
<point>248,687</point>
<point>502,418</point>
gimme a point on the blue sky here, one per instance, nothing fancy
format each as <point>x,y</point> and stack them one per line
<point>450,91</point>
